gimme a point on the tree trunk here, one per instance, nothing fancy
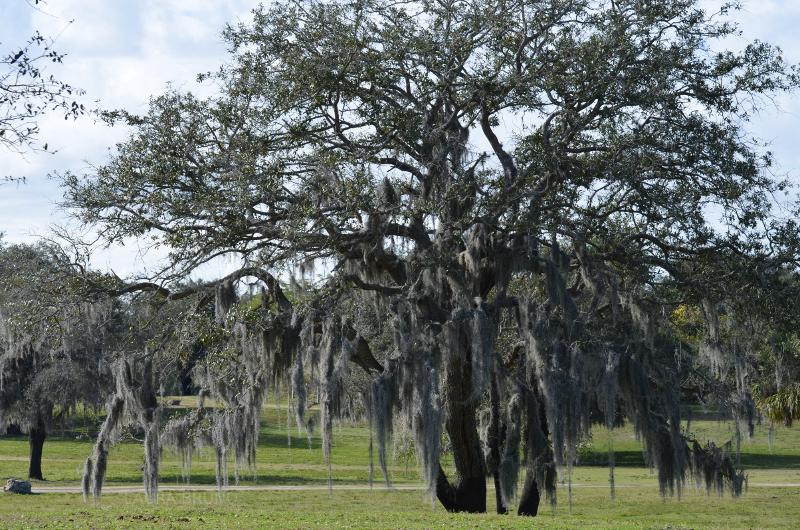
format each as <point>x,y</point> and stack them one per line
<point>529,500</point>
<point>13,430</point>
<point>36,439</point>
<point>538,432</point>
<point>494,445</point>
<point>468,493</point>
<point>148,419</point>
<point>185,381</point>
<point>498,496</point>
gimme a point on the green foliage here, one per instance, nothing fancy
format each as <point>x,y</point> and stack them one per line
<point>52,351</point>
<point>784,405</point>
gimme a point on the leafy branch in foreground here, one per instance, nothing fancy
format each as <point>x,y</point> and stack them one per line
<point>28,91</point>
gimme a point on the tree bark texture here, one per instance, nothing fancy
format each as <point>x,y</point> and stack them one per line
<point>36,438</point>
<point>468,492</point>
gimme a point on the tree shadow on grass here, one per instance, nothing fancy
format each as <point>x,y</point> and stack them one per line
<point>279,440</point>
<point>636,459</point>
<point>246,479</point>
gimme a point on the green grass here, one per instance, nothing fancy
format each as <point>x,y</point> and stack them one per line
<point>633,508</point>
<point>637,504</point>
<point>278,462</point>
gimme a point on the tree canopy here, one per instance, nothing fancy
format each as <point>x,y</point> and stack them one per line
<point>53,342</point>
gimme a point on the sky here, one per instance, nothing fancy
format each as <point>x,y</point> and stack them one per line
<point>123,51</point>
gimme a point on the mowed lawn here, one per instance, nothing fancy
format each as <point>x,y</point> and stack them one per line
<point>772,501</point>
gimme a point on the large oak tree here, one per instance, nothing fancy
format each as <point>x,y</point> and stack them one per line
<point>530,187</point>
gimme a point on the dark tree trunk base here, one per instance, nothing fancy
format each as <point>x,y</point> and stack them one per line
<point>495,435</point>
<point>469,495</point>
<point>529,500</point>
<point>502,509</point>
<point>36,441</point>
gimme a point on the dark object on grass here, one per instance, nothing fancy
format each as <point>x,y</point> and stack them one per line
<point>14,485</point>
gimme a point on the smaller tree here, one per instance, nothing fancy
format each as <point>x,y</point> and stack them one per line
<point>52,354</point>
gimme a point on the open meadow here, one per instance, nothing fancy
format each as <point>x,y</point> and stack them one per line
<point>289,487</point>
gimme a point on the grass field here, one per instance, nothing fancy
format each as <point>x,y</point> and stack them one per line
<point>772,501</point>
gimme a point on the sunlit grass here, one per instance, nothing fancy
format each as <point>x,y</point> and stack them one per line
<point>637,503</point>
<point>639,507</point>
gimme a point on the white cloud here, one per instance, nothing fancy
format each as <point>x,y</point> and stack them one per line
<point>120,52</point>
<point>91,27</point>
<point>195,26</point>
